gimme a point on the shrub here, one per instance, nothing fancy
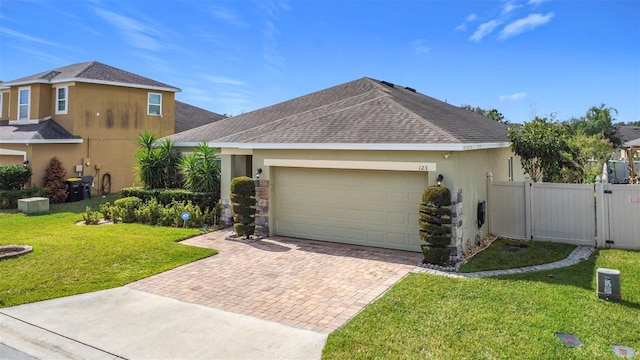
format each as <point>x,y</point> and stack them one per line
<point>435,224</point>
<point>149,213</point>
<point>243,201</point>
<point>107,210</point>
<point>90,217</point>
<point>166,196</point>
<point>13,177</point>
<point>201,169</point>
<point>54,178</point>
<point>124,209</point>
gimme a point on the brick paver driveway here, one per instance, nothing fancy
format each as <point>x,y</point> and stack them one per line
<point>306,284</point>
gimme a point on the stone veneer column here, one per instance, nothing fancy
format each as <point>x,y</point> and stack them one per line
<point>456,224</point>
<point>226,215</point>
<point>262,207</point>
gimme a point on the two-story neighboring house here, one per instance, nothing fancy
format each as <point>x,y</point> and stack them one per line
<point>89,116</point>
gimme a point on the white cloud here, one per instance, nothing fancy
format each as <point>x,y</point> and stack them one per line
<point>536,2</point>
<point>484,29</point>
<point>513,97</point>
<point>525,24</point>
<point>27,38</point>
<point>136,33</point>
<point>224,80</point>
<point>228,17</point>
<point>470,18</point>
<point>509,7</point>
<point>419,46</point>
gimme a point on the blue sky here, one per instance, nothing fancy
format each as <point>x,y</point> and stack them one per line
<point>525,58</point>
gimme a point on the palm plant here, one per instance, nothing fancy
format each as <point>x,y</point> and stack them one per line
<point>201,169</point>
<point>157,166</point>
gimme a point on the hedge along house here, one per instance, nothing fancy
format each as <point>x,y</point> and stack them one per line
<point>89,116</point>
<point>349,163</point>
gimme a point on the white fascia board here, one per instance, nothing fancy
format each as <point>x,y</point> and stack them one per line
<point>92,81</point>
<point>43,141</point>
<point>372,146</point>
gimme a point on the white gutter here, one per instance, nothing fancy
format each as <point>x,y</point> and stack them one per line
<point>43,141</point>
<point>354,146</point>
<point>93,81</point>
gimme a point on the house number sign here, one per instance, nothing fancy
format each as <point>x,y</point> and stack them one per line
<point>423,168</point>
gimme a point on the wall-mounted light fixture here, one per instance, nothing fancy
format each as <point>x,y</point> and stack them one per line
<point>439,179</point>
<point>25,163</point>
<point>258,172</point>
<point>446,156</point>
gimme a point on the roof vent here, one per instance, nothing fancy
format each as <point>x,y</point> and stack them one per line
<point>410,89</point>
<point>387,83</point>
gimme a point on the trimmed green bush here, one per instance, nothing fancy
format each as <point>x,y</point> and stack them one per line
<point>125,209</point>
<point>243,205</point>
<point>90,217</point>
<point>435,224</point>
<point>167,196</point>
<point>13,177</point>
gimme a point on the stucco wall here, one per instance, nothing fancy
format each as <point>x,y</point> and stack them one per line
<point>464,174</point>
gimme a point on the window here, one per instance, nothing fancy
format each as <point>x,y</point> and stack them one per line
<point>155,104</point>
<point>61,100</point>
<point>0,106</point>
<point>510,167</point>
<point>24,98</point>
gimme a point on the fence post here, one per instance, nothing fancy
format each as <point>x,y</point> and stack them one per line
<point>489,208</point>
<point>599,212</point>
<point>528,229</point>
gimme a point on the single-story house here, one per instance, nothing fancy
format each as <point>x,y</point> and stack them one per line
<point>349,163</point>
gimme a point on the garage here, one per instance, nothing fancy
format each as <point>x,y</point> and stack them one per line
<point>362,207</point>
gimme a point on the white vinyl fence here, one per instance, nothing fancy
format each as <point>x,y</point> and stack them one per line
<point>600,214</point>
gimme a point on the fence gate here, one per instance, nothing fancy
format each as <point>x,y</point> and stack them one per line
<point>600,214</point>
<point>621,217</point>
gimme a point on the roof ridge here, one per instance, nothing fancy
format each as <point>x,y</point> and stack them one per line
<point>86,68</point>
<point>423,120</point>
<point>323,107</point>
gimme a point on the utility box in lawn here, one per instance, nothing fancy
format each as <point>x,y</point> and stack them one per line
<point>608,284</point>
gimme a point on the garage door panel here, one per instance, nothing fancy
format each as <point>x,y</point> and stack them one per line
<point>377,208</point>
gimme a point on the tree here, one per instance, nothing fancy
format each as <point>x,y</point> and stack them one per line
<point>597,121</point>
<point>55,177</point>
<point>201,169</point>
<point>543,148</point>
<point>492,114</point>
<point>243,201</point>
<point>589,153</point>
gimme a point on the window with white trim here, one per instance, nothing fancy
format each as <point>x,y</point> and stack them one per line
<point>510,167</point>
<point>1,106</point>
<point>24,100</point>
<point>62,94</point>
<point>154,104</point>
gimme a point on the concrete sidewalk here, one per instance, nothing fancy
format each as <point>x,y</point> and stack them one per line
<point>124,323</point>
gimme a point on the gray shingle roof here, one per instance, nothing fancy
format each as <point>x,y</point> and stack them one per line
<point>364,111</point>
<point>189,117</point>
<point>92,71</point>
<point>45,130</point>
<point>628,133</point>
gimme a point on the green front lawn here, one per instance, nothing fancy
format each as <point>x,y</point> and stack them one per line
<point>69,259</point>
<point>509,317</point>
<point>511,254</point>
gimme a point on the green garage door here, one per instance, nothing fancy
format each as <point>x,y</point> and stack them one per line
<point>373,208</point>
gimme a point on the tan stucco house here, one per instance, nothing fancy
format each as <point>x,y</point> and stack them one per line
<point>88,115</point>
<point>349,163</point>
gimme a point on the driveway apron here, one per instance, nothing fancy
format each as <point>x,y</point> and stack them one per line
<point>305,284</point>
